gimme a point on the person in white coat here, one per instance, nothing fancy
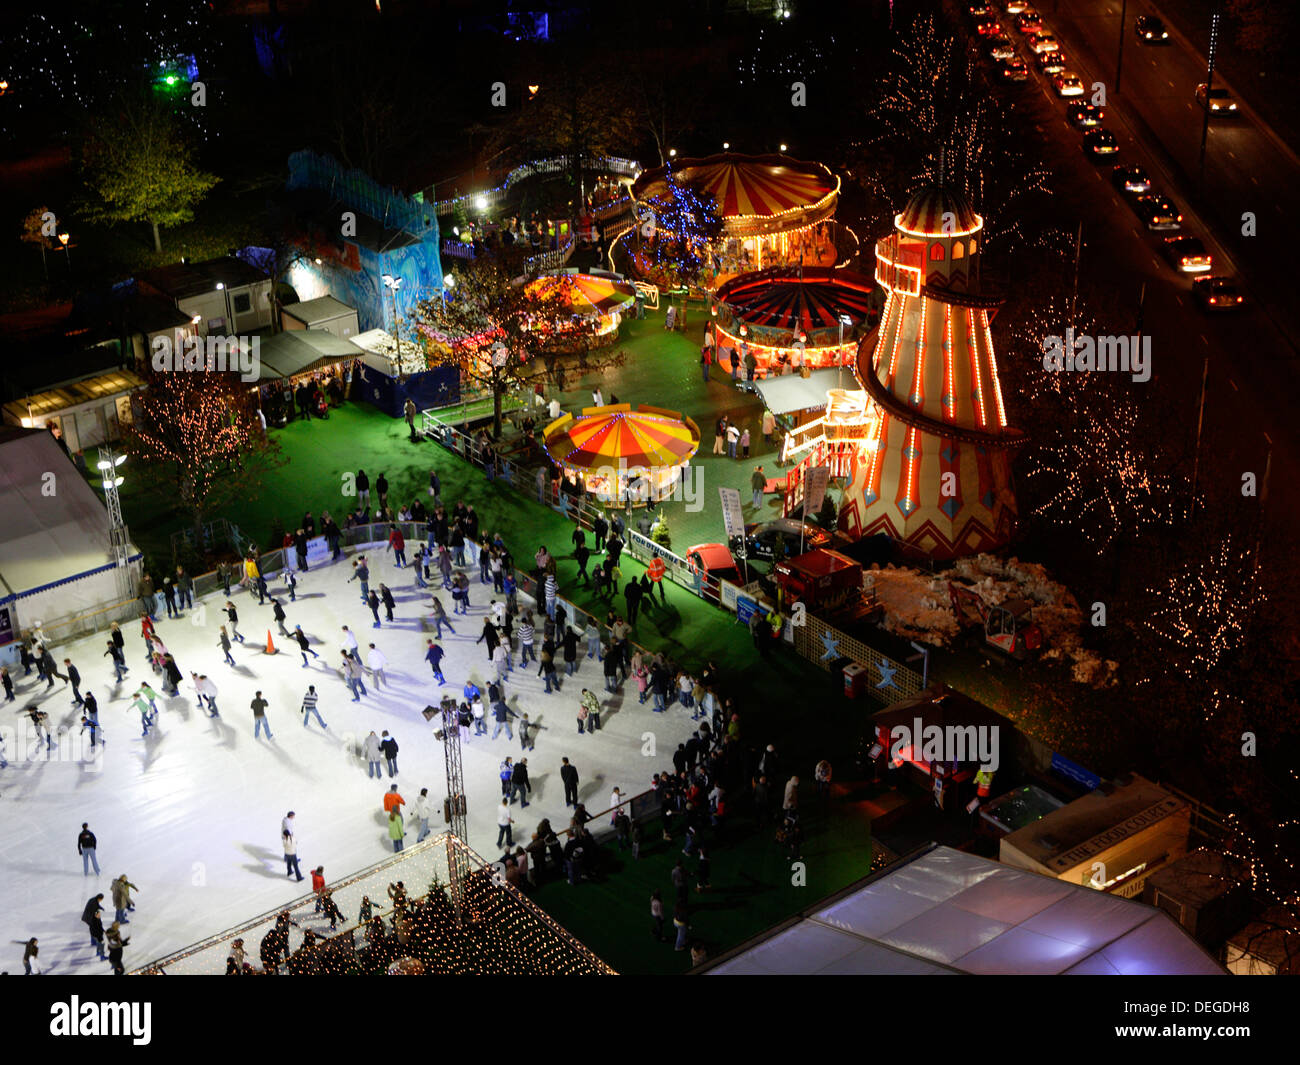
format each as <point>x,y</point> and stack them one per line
<point>349,642</point>
<point>421,811</point>
<point>374,756</point>
<point>377,662</point>
<point>616,804</point>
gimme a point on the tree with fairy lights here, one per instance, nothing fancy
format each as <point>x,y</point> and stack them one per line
<point>137,167</point>
<point>677,231</point>
<point>195,435</point>
<point>505,333</point>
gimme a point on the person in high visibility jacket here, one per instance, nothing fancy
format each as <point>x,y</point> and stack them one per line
<point>983,783</point>
<point>655,571</point>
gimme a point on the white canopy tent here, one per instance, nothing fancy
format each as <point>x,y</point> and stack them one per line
<point>947,912</point>
<point>55,554</point>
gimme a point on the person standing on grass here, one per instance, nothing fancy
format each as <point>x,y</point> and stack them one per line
<point>757,482</point>
<point>733,440</point>
<point>744,443</point>
<point>259,706</point>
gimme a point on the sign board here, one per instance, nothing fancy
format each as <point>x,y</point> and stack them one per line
<point>733,516</point>
<point>1076,773</point>
<point>6,626</point>
<point>728,594</point>
<point>746,608</point>
<point>1139,822</point>
<point>814,488</point>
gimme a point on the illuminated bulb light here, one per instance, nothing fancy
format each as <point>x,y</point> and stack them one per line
<point>993,367</point>
<point>975,367</point>
<point>917,384</point>
<point>949,403</point>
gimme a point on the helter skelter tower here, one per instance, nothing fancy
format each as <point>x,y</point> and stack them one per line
<point>938,478</point>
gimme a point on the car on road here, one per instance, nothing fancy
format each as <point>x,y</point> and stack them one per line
<point>1130,179</point>
<point>779,539</point>
<point>715,561</point>
<point>1085,116</point>
<point>1001,48</point>
<point>1100,143</point>
<point>1017,7</point>
<point>1188,255</point>
<point>989,27</point>
<point>1221,101</point>
<point>1217,293</point>
<point>979,11</point>
<point>1157,212</point>
<point>1150,30</point>
<point>1067,84</point>
<point>1051,62</point>
<point>1044,42</point>
<point>1014,70</point>
<point>1029,22</point>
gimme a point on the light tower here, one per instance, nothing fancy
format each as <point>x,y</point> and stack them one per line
<point>454,809</point>
<point>109,461</point>
<point>938,479</point>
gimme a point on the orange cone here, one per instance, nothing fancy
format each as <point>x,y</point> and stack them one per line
<point>270,647</point>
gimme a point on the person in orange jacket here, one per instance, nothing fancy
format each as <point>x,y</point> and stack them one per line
<point>318,884</point>
<point>393,800</point>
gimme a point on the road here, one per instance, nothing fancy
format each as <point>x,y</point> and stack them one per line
<point>1253,363</point>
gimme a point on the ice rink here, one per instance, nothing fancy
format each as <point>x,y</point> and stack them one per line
<point>192,813</point>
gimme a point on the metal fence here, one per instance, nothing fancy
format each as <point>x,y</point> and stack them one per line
<point>889,681</point>
<point>536,168</point>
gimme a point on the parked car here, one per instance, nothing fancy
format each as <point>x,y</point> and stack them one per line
<point>1150,30</point>
<point>1188,255</point>
<point>1100,143</point>
<point>1157,212</point>
<point>1131,179</point>
<point>1221,101</point>
<point>1067,84</point>
<point>1085,116</point>
<point>780,539</point>
<point>1044,42</point>
<point>716,561</point>
<point>1217,293</point>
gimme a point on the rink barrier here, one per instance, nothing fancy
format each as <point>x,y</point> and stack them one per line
<point>208,956</point>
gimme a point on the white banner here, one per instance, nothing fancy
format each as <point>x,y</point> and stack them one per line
<point>733,517</point>
<point>814,488</point>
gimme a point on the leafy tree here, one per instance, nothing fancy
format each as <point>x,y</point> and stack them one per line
<point>137,167</point>
<point>196,434</point>
<point>33,232</point>
<point>685,226</point>
<point>505,333</point>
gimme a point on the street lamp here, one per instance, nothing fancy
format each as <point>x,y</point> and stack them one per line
<point>785,147</point>
<point>108,464</point>
<point>64,239</point>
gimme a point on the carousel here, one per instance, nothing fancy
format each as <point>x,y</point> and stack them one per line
<point>776,210</point>
<point>579,299</point>
<point>622,456</point>
<point>793,318</point>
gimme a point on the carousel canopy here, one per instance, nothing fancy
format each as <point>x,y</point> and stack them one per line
<point>786,299</point>
<point>587,293</point>
<point>617,435</point>
<point>761,187</point>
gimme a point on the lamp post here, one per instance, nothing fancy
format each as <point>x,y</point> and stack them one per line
<point>65,243</point>
<point>108,464</point>
<point>1209,85</point>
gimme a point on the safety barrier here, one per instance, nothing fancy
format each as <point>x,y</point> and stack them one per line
<point>557,165</point>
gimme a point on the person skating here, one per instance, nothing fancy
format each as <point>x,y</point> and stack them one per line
<point>396,830</point>
<point>122,904</point>
<point>374,756</point>
<point>86,847</point>
<point>386,597</point>
<point>569,777</point>
<point>114,652</point>
<point>434,656</point>
<point>439,617</point>
<point>361,572</point>
<point>90,916</point>
<point>290,854</point>
<point>591,705</point>
<point>504,821</point>
<point>352,673</point>
<point>31,958</point>
<point>519,783</point>
<point>422,812</point>
<point>389,746</point>
<point>277,612</point>
<point>377,662</point>
<point>304,644</point>
<point>372,601</point>
<point>232,616</point>
<point>90,719</point>
<point>74,679</point>
<point>309,701</point>
<point>259,706</point>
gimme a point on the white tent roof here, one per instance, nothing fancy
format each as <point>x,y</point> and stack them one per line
<point>949,912</point>
<point>46,538</point>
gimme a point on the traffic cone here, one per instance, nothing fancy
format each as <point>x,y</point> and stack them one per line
<point>270,647</point>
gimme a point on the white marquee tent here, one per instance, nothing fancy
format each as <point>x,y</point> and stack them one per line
<point>55,555</point>
<point>947,912</point>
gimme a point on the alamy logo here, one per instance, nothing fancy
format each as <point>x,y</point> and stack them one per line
<point>77,1018</point>
<point>946,744</point>
<point>635,484</point>
<point>1084,354</point>
<point>209,354</point>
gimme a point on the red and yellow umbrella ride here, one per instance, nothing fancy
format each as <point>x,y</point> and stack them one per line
<point>625,457</point>
<point>592,304</point>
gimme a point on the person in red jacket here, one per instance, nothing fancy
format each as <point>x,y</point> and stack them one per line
<point>398,543</point>
<point>318,884</point>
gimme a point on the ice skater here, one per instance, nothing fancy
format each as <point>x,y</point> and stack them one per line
<point>277,612</point>
<point>259,706</point>
<point>377,662</point>
<point>119,661</point>
<point>373,602</point>
<point>86,846</point>
<point>290,854</point>
<point>374,756</point>
<point>434,656</point>
<point>232,616</point>
<point>309,707</point>
<point>303,643</point>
